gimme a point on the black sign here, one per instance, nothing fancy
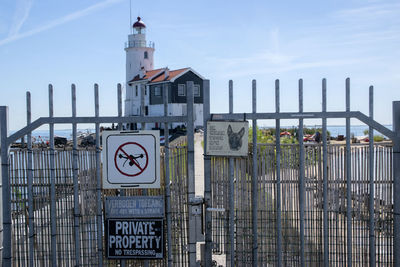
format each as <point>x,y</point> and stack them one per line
<point>134,238</point>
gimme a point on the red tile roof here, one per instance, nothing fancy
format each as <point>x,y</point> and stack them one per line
<point>172,74</point>
<point>160,75</point>
<point>149,74</point>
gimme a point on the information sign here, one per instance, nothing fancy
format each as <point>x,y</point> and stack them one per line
<point>226,138</point>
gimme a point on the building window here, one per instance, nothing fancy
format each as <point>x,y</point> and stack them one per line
<point>146,110</point>
<point>136,90</point>
<point>181,90</point>
<point>146,54</point>
<point>196,90</point>
<point>157,91</point>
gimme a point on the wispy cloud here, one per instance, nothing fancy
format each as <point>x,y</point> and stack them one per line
<point>59,21</point>
<point>22,10</point>
<point>369,12</point>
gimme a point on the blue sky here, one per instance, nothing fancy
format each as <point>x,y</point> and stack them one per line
<point>81,42</point>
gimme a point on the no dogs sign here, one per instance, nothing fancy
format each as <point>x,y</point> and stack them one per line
<point>131,159</point>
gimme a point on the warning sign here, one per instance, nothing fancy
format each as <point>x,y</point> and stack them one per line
<point>131,159</point>
<point>133,153</point>
<point>134,238</point>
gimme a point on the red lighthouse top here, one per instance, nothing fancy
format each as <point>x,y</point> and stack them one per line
<point>139,23</point>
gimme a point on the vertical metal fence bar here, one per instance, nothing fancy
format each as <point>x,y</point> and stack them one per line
<point>123,191</point>
<point>142,106</point>
<point>98,181</point>
<point>207,177</point>
<point>254,192</point>
<point>167,180</point>
<point>53,216</point>
<point>301,177</point>
<point>5,190</point>
<point>278,177</point>
<point>348,178</point>
<point>396,180</point>
<point>190,172</point>
<point>30,179</point>
<point>77,210</point>
<point>325,177</point>
<point>119,96</point>
<point>372,251</point>
<point>231,190</point>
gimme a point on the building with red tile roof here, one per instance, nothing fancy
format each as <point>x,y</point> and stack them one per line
<point>145,85</point>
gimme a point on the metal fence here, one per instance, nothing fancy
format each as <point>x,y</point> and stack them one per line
<point>87,205</point>
<point>313,217</point>
<point>52,199</point>
<point>304,205</point>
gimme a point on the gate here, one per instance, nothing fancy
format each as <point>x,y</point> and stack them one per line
<point>302,204</point>
<point>52,198</point>
<point>284,204</point>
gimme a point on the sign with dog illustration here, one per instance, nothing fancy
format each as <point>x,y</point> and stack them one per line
<point>227,138</point>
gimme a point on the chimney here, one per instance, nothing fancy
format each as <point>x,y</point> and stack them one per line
<point>166,72</point>
<point>142,72</point>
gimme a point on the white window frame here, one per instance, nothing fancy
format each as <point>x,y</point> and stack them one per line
<point>181,90</point>
<point>157,91</point>
<point>196,90</point>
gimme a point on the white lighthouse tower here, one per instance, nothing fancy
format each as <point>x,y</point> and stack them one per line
<point>139,53</point>
<point>139,59</point>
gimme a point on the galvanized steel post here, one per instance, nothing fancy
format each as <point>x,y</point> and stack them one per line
<point>396,181</point>
<point>301,176</point>
<point>30,180</point>
<point>278,178</point>
<point>325,176</point>
<point>254,187</point>
<point>77,210</point>
<point>348,178</point>
<point>98,181</point>
<point>372,249</point>
<point>231,191</point>
<point>5,190</point>
<point>53,226</point>
<point>207,177</point>
<point>190,173</point>
<point>167,181</point>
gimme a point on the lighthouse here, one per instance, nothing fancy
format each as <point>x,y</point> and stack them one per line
<point>139,53</point>
<point>145,84</point>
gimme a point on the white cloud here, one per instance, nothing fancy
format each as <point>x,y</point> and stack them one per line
<point>60,21</point>
<point>22,10</point>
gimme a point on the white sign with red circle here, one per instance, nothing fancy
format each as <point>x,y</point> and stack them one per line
<point>131,159</point>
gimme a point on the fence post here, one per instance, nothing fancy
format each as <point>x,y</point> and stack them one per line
<point>5,232</point>
<point>231,191</point>
<point>396,181</point>
<point>301,177</point>
<point>190,173</point>
<point>254,190</point>
<point>207,177</point>
<point>348,180</point>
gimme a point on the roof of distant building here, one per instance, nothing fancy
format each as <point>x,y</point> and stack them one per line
<point>162,75</point>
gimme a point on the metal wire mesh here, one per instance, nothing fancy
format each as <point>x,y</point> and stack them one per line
<point>313,220</point>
